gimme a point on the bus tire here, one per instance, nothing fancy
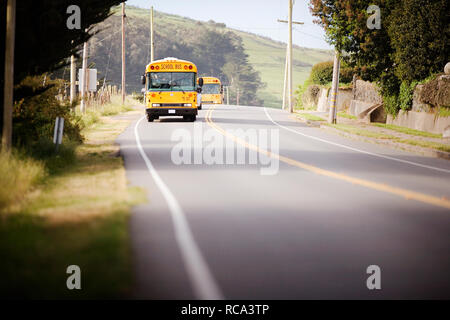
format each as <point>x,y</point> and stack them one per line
<point>199,107</point>
<point>150,118</point>
<point>190,118</point>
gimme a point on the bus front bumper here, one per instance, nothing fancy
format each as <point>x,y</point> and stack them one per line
<point>153,112</point>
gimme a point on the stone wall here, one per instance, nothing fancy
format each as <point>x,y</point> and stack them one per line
<point>424,121</point>
<point>367,103</point>
<point>427,100</point>
<point>322,99</point>
<point>367,92</point>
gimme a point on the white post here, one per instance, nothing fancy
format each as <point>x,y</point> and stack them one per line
<point>83,84</point>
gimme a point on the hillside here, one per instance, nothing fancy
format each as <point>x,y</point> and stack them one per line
<point>190,39</point>
<point>268,57</point>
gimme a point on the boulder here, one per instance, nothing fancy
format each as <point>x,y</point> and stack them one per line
<point>447,68</point>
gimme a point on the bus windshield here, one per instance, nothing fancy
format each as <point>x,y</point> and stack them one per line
<point>171,81</point>
<point>211,88</point>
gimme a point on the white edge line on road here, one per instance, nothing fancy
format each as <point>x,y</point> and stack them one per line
<point>355,149</point>
<point>198,271</point>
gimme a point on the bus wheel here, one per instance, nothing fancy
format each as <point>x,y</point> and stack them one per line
<point>190,118</point>
<point>199,107</point>
<point>150,119</point>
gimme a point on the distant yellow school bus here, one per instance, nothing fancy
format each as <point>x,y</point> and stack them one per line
<point>212,91</point>
<point>171,89</point>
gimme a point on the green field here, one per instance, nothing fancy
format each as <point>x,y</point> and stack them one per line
<point>268,57</point>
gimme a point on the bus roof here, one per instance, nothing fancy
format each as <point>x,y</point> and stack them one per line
<point>211,80</point>
<point>171,65</point>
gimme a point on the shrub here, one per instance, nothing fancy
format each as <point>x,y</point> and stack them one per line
<point>321,73</point>
<point>35,112</point>
<point>391,104</point>
<point>406,95</point>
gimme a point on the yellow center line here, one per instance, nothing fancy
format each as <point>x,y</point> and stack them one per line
<point>408,194</point>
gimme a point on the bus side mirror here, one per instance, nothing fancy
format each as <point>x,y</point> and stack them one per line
<point>200,82</point>
<point>199,90</point>
<point>143,80</point>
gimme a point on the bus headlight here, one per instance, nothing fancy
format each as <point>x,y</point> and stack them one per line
<point>188,105</point>
<point>156,105</point>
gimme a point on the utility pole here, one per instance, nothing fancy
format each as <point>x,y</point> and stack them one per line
<point>9,75</point>
<point>228,96</point>
<point>83,84</point>
<point>335,86</point>
<point>152,41</point>
<point>290,58</point>
<point>123,53</point>
<point>72,78</point>
<point>288,84</point>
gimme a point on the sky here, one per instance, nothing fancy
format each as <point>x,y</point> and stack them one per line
<point>256,16</point>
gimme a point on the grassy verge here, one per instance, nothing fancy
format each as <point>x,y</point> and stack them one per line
<point>346,115</point>
<point>360,132</point>
<point>371,134</point>
<point>426,144</point>
<point>309,116</point>
<point>77,216</point>
<point>18,174</point>
<point>408,130</point>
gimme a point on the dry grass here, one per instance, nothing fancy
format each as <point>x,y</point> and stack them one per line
<point>18,174</point>
<point>79,215</point>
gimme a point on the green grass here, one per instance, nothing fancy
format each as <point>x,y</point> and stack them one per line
<point>427,144</point>
<point>371,134</point>
<point>346,115</point>
<point>36,254</point>
<point>309,116</point>
<point>408,130</point>
<point>77,216</point>
<point>360,132</point>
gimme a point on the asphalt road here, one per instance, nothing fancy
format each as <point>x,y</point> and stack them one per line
<point>329,208</point>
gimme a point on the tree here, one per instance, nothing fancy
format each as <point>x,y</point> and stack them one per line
<point>43,40</point>
<point>412,43</point>
<point>420,36</point>
<point>345,23</point>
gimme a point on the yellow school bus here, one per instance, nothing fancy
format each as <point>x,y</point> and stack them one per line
<point>212,91</point>
<point>171,89</point>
